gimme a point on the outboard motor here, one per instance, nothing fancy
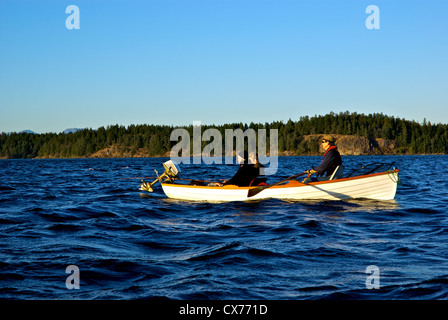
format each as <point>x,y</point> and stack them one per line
<point>172,170</point>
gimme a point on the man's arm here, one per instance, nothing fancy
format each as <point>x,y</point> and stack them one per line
<point>326,162</point>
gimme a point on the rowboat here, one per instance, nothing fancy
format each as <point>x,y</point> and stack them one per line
<point>377,186</point>
<point>374,186</point>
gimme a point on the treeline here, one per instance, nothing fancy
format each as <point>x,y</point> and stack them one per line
<point>154,140</point>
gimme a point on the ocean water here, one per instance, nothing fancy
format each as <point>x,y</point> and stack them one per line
<point>128,244</point>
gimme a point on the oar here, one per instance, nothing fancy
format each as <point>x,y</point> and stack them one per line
<point>257,190</point>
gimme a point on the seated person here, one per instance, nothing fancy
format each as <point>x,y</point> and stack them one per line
<point>331,160</point>
<point>248,171</point>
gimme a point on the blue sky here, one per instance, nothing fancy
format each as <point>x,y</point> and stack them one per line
<point>218,61</point>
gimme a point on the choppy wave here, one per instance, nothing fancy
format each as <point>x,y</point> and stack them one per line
<point>131,245</point>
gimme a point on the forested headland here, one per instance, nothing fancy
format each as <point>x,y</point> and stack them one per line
<point>361,134</point>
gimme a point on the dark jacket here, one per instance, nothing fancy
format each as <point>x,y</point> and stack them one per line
<point>331,160</point>
<point>245,175</point>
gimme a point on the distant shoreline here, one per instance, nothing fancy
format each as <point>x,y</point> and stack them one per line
<point>355,134</point>
<point>164,156</point>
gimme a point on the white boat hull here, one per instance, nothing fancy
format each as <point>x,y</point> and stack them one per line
<point>378,186</point>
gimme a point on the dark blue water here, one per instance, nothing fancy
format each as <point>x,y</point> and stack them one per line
<point>133,245</point>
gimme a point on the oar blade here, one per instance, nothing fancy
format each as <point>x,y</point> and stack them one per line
<point>255,191</point>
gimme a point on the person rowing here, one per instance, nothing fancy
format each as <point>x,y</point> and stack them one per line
<point>331,160</point>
